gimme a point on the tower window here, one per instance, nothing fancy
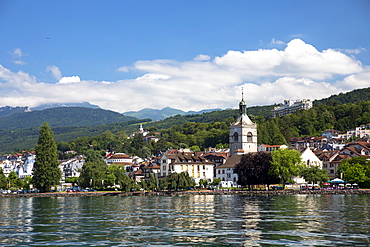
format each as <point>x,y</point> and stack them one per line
<point>236,137</point>
<point>249,137</point>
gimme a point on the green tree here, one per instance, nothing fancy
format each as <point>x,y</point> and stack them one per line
<point>120,178</point>
<point>286,164</point>
<point>94,170</point>
<point>46,171</point>
<point>353,173</point>
<point>14,180</point>
<point>3,180</point>
<point>313,174</point>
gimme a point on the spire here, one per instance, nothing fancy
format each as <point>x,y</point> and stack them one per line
<point>242,105</point>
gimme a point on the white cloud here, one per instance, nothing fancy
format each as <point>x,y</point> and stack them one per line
<point>299,71</point>
<point>123,69</point>
<point>55,71</point>
<point>69,79</point>
<point>202,57</point>
<point>19,62</point>
<point>17,54</point>
<point>277,42</point>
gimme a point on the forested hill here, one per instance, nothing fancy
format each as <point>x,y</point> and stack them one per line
<point>355,96</point>
<point>62,116</point>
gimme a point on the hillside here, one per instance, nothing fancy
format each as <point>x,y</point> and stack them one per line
<point>355,96</point>
<point>62,116</point>
<point>71,123</point>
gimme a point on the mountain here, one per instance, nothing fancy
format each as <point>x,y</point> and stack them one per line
<point>157,115</point>
<point>62,116</point>
<point>48,106</point>
<point>9,110</point>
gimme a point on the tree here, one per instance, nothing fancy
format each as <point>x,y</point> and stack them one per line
<point>46,171</point>
<point>313,174</point>
<point>353,173</point>
<point>94,170</point>
<point>286,164</point>
<point>253,169</point>
<point>14,180</point>
<point>3,180</point>
<point>125,182</point>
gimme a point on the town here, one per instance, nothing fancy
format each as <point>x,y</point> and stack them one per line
<point>211,167</point>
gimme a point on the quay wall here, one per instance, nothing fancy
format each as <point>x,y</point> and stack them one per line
<point>196,192</point>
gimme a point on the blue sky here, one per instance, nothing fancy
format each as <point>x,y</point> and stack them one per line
<point>190,55</point>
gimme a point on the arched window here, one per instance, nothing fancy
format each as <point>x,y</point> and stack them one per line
<point>249,137</point>
<point>236,137</point>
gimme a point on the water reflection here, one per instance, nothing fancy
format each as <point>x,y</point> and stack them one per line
<point>213,220</point>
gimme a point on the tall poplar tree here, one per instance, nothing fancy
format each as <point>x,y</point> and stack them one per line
<point>46,171</point>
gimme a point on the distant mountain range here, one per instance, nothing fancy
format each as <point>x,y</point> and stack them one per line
<point>48,106</point>
<point>62,116</point>
<point>9,110</point>
<point>154,114</point>
<point>157,115</point>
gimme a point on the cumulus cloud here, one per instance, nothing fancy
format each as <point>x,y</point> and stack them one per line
<point>268,76</point>
<point>55,71</point>
<point>69,79</point>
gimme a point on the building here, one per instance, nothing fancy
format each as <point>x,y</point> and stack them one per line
<point>331,161</point>
<point>226,173</point>
<point>72,167</point>
<point>194,163</point>
<point>243,132</point>
<point>358,132</point>
<point>291,106</point>
<point>270,148</point>
<point>120,159</point>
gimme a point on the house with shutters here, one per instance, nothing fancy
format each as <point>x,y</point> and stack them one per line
<point>194,163</point>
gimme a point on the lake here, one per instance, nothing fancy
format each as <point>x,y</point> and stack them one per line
<point>186,220</point>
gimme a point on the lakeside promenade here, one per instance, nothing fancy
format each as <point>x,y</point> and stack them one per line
<point>195,192</point>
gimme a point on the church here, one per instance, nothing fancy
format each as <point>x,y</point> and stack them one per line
<point>243,132</point>
<point>242,140</point>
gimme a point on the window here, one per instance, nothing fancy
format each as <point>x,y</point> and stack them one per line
<point>219,172</point>
<point>236,137</point>
<point>249,137</point>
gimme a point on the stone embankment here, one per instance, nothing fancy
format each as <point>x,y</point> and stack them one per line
<point>196,192</point>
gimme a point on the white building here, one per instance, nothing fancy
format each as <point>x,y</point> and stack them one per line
<point>291,106</point>
<point>194,163</point>
<point>243,132</point>
<point>310,159</point>
<point>225,172</point>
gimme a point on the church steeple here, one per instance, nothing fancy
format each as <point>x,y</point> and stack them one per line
<point>242,106</point>
<point>243,132</point>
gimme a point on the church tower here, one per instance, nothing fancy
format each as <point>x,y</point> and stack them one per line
<point>243,132</point>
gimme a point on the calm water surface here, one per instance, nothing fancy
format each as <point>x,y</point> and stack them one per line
<point>190,220</point>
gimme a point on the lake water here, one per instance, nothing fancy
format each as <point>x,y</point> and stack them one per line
<point>187,220</point>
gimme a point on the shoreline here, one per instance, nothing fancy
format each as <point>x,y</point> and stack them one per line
<point>200,192</point>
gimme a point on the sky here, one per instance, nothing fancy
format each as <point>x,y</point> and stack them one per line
<point>191,55</point>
